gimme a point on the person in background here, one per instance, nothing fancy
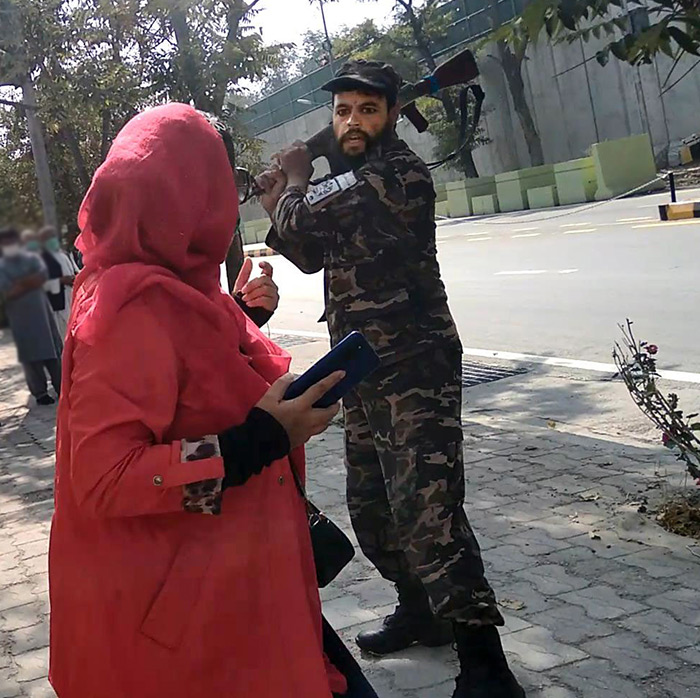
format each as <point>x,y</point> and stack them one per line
<point>62,273</point>
<point>58,282</point>
<point>39,345</point>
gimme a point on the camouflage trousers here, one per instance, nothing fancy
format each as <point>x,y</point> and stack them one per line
<point>405,484</point>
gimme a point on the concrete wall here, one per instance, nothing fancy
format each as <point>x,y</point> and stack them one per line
<point>588,104</point>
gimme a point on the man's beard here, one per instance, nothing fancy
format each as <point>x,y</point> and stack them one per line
<point>356,161</point>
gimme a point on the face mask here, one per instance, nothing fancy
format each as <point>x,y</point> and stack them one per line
<point>33,246</point>
<point>52,245</point>
<point>11,250</point>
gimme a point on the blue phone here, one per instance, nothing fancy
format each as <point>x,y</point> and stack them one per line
<point>353,355</point>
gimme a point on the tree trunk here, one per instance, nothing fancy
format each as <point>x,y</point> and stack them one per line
<point>105,135</point>
<point>71,140</point>
<point>41,160</point>
<point>191,84</point>
<point>466,158</point>
<point>512,68</point>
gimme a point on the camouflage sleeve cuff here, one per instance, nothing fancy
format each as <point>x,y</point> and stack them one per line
<point>203,497</point>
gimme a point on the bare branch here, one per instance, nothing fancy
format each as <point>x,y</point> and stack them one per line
<point>406,4</point>
<point>687,72</point>
<point>679,55</point>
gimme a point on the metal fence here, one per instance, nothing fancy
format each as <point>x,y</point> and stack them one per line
<point>470,20</point>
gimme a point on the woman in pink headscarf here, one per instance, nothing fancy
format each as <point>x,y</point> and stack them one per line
<point>180,561</point>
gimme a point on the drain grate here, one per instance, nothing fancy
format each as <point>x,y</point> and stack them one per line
<point>474,373</point>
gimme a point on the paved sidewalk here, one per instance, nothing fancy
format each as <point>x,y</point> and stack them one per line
<point>599,600</point>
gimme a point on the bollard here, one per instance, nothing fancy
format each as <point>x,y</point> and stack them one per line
<point>672,185</point>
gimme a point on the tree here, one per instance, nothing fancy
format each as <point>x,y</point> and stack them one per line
<point>510,56</point>
<point>416,32</point>
<point>633,35</point>
<point>96,63</point>
<point>15,64</point>
<point>408,46</point>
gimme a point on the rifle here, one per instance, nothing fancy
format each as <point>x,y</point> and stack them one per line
<point>458,70</point>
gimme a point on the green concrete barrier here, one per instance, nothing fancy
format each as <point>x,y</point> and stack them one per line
<point>479,186</point>
<point>542,197</point>
<point>441,193</point>
<point>442,209</point>
<point>457,201</point>
<point>623,164</point>
<point>512,187</point>
<point>484,205</point>
<point>255,231</point>
<point>576,181</point>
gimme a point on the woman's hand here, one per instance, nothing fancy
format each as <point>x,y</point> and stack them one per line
<point>258,293</point>
<point>300,419</point>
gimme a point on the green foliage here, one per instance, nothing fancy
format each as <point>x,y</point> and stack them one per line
<point>635,31</point>
<point>407,43</point>
<point>443,130</point>
<point>96,63</point>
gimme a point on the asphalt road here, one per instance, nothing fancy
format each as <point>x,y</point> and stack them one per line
<point>556,282</point>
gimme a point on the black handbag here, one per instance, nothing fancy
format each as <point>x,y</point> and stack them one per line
<point>333,550</point>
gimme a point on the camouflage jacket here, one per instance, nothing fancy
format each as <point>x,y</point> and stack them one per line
<point>373,233</point>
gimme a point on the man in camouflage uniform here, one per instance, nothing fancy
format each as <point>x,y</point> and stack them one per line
<point>372,230</point>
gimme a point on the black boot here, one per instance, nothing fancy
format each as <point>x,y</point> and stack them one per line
<point>484,671</point>
<point>413,622</point>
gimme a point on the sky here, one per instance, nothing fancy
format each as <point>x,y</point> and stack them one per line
<point>285,21</point>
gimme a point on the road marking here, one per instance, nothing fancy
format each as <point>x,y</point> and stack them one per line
<point>568,271</point>
<point>667,224</point>
<point>526,235</point>
<point>656,206</point>
<point>574,225</point>
<point>478,239</point>
<point>635,220</point>
<point>678,376</point>
<point>525,272</point>
<point>595,366</point>
<point>472,235</point>
<point>524,230</point>
<point>582,230</point>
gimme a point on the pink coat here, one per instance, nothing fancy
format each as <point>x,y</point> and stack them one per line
<point>149,600</point>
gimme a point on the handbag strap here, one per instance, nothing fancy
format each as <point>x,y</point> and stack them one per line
<point>297,482</point>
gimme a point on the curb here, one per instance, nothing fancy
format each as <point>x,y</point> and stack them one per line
<point>264,252</point>
<point>674,212</point>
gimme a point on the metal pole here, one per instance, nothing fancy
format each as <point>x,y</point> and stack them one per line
<point>672,185</point>
<point>328,37</point>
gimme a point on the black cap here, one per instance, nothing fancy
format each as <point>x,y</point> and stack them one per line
<point>374,75</point>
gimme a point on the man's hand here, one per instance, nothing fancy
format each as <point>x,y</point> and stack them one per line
<point>258,293</point>
<point>273,183</point>
<point>26,285</point>
<point>295,162</point>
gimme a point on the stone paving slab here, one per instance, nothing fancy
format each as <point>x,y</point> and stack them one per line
<point>592,610</point>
